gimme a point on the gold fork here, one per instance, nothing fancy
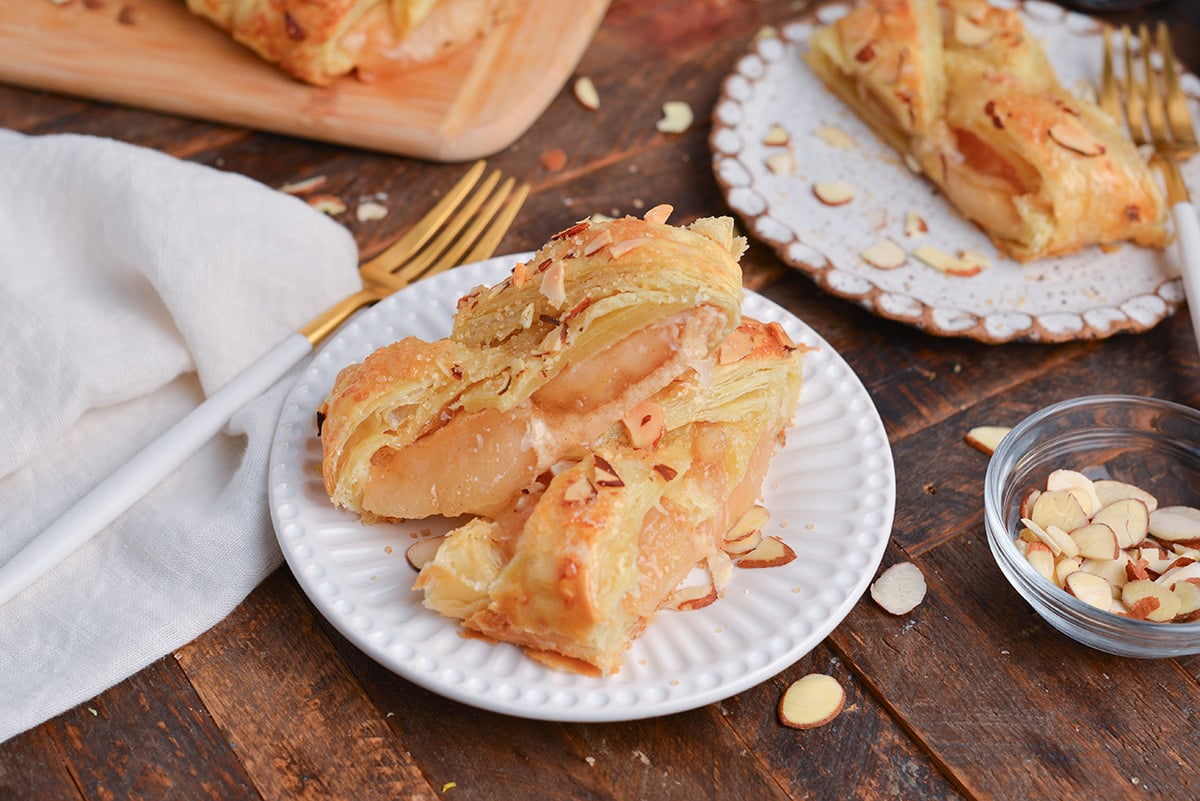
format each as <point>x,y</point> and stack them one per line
<point>409,259</point>
<point>435,244</point>
<point>1165,113</point>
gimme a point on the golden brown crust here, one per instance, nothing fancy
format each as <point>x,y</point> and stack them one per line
<point>319,41</point>
<point>1041,171</point>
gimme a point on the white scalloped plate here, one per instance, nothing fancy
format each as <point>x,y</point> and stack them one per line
<point>1087,295</point>
<point>831,492</point>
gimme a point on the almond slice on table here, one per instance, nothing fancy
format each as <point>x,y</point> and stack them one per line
<point>585,92</point>
<point>677,117</point>
<point>986,438</point>
<point>900,588</point>
<point>811,701</point>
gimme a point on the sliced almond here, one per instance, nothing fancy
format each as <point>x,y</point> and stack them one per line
<point>554,284</point>
<point>743,545</point>
<point>1128,518</point>
<point>987,438</point>
<point>1188,593</point>
<point>304,186</point>
<point>422,552</point>
<point>884,254</point>
<point>677,117</point>
<point>585,92</point>
<point>370,211</point>
<point>900,588</point>
<point>1108,491</point>
<point>1111,570</point>
<point>1058,540</point>
<point>1065,567</point>
<point>1140,596</point>
<point>1089,588</point>
<point>644,423</point>
<point>692,596</point>
<point>580,490</point>
<point>1096,541</point>
<point>1082,487</point>
<point>1073,137</point>
<point>658,215</point>
<point>771,552</point>
<point>781,163</point>
<point>1183,572</point>
<point>753,520</point>
<point>1059,508</point>
<point>970,34</point>
<point>834,193</point>
<point>1041,558</point>
<point>915,225</point>
<point>974,259</point>
<point>327,204</point>
<point>945,263</point>
<point>1176,524</point>
<point>1158,560</point>
<point>811,701</point>
<point>835,137</point>
<point>1028,501</point>
<point>736,347</point>
<point>776,136</point>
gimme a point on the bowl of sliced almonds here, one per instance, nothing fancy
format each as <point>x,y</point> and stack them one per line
<point>1092,510</point>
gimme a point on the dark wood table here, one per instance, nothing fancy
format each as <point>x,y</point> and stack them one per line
<point>971,695</point>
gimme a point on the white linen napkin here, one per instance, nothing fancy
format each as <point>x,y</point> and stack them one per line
<point>132,283</point>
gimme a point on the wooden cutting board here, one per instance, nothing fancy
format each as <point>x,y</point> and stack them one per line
<point>154,54</point>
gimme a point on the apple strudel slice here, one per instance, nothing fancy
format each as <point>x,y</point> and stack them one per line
<point>582,560</point>
<point>1041,171</point>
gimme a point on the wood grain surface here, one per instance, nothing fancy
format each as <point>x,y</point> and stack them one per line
<point>155,54</point>
<point>971,696</point>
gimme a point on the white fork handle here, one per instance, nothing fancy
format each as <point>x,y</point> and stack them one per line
<point>1187,231</point>
<point>134,479</point>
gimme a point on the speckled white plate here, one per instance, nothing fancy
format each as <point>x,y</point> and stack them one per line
<point>831,493</point>
<point>1083,296</point>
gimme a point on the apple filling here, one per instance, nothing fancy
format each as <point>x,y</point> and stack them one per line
<point>476,461</point>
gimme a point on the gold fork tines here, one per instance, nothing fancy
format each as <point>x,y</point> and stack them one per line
<point>1155,108</point>
<point>436,243</point>
<point>1179,116</point>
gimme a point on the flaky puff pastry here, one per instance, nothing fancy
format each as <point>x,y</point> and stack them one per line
<point>1041,171</point>
<point>576,568</point>
<point>319,41</point>
<point>539,365</point>
<point>884,59</point>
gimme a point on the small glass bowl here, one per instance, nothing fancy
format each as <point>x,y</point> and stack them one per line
<point>1149,443</point>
